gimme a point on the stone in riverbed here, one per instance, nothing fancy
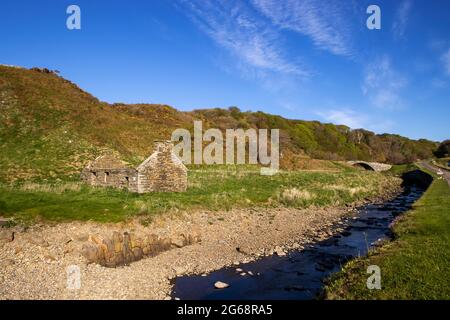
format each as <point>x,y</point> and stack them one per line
<point>137,253</point>
<point>178,242</point>
<point>179,270</point>
<point>96,239</point>
<point>6,235</point>
<point>279,251</point>
<point>90,252</point>
<point>221,285</point>
<point>39,241</point>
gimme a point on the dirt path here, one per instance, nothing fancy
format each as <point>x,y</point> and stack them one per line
<point>429,166</point>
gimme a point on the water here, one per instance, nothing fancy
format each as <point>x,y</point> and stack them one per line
<point>300,274</point>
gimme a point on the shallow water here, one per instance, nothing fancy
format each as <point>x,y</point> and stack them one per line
<point>300,274</point>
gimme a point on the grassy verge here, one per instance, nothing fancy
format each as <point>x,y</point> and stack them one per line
<point>210,187</point>
<point>442,163</point>
<point>415,265</point>
<point>399,169</point>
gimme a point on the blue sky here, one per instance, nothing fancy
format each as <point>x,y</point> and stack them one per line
<point>313,60</point>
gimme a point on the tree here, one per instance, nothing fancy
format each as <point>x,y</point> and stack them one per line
<point>443,150</point>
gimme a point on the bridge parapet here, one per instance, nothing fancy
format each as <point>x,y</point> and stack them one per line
<point>375,166</point>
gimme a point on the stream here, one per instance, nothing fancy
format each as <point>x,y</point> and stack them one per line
<point>300,274</point>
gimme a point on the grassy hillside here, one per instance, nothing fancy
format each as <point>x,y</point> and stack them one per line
<point>50,128</point>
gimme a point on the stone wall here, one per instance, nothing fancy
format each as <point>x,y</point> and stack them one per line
<point>162,171</point>
<point>124,248</point>
<point>120,178</point>
<point>108,171</point>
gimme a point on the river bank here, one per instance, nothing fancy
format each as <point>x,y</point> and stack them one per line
<point>415,264</point>
<point>301,273</point>
<point>33,265</point>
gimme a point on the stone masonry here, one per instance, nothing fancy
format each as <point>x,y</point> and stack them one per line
<point>108,171</point>
<point>374,166</point>
<point>162,171</point>
<point>124,248</point>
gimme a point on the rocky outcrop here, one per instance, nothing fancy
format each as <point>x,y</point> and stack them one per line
<point>124,248</point>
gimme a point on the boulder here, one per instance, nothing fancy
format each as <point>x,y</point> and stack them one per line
<point>91,252</point>
<point>6,235</point>
<point>96,239</point>
<point>137,253</point>
<point>178,241</point>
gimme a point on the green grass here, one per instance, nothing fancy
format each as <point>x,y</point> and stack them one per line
<point>414,266</point>
<point>399,169</point>
<point>441,162</point>
<point>210,187</point>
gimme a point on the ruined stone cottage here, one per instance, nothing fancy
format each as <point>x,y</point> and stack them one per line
<point>162,171</point>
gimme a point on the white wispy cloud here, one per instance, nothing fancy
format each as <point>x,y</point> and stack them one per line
<point>356,120</point>
<point>233,26</point>
<point>401,19</point>
<point>344,116</point>
<point>383,85</point>
<point>325,22</point>
<point>446,60</point>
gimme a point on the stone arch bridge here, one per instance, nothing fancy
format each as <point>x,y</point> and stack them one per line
<point>373,166</point>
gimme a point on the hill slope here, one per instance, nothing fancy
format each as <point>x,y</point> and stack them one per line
<point>50,128</point>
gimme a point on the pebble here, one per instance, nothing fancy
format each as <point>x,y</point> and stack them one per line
<point>221,285</point>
